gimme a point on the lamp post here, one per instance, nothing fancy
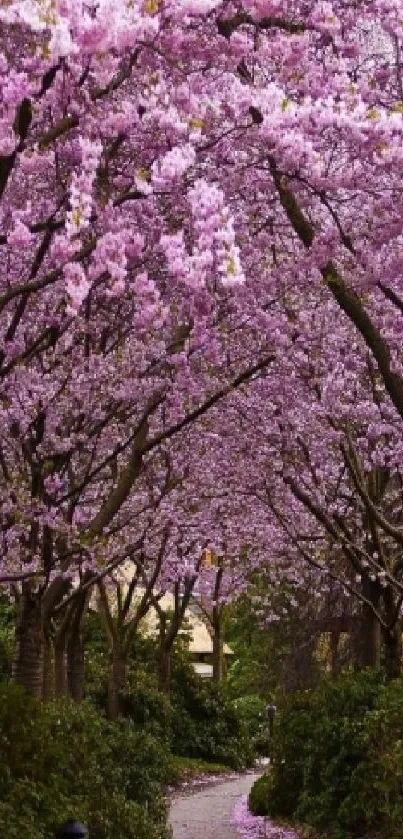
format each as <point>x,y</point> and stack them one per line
<point>73,830</point>
<point>271,713</point>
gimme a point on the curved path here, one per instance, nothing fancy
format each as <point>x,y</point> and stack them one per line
<point>207,814</point>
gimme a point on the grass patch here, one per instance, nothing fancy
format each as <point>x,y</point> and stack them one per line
<point>185,769</point>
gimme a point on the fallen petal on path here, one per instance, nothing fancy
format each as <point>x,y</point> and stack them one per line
<point>206,813</point>
<point>257,827</point>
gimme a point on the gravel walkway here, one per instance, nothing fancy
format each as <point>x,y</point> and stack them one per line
<point>207,814</point>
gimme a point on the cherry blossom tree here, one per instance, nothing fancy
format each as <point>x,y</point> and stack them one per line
<point>183,184</point>
<point>322,483</point>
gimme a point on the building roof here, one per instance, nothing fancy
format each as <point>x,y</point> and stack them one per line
<point>200,641</point>
<point>205,671</point>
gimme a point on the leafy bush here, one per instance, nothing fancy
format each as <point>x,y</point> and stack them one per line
<point>64,760</point>
<point>96,678</point>
<point>199,721</point>
<point>7,637</point>
<point>205,724</point>
<point>289,750</point>
<point>319,742</point>
<point>376,797</point>
<point>335,750</point>
<point>251,710</point>
<point>145,705</point>
<point>259,796</point>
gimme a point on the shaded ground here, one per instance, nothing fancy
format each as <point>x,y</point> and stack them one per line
<point>207,813</point>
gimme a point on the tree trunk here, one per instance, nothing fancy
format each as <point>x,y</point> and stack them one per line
<point>392,641</point>
<point>48,685</point>
<point>164,674</point>
<point>369,636</point>
<point>75,651</point>
<point>369,652</point>
<point>28,659</point>
<point>75,667</point>
<point>334,653</point>
<point>117,680</point>
<point>60,667</point>
<point>218,649</point>
<point>392,638</point>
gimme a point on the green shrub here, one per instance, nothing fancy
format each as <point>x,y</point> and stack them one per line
<point>289,751</point>
<point>251,710</point>
<point>205,724</point>
<point>199,721</point>
<point>64,760</point>
<point>336,749</point>
<point>7,637</point>
<point>377,783</point>
<point>319,742</point>
<point>145,705</point>
<point>259,796</point>
<point>97,669</point>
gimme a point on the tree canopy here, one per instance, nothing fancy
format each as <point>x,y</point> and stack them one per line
<point>200,291</point>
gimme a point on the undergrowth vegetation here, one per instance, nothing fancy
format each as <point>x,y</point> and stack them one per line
<point>62,759</point>
<point>337,759</point>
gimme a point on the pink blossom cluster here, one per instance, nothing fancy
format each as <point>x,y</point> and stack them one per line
<point>215,251</point>
<point>77,286</point>
<point>81,199</point>
<point>201,298</point>
<point>173,165</point>
<point>214,228</point>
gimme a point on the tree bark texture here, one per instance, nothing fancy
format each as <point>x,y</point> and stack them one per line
<point>117,681</point>
<point>48,683</point>
<point>369,636</point>
<point>392,647</point>
<point>60,667</point>
<point>75,667</point>
<point>164,674</point>
<point>218,649</point>
<point>28,659</point>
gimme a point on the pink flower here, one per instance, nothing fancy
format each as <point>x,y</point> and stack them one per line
<point>77,286</point>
